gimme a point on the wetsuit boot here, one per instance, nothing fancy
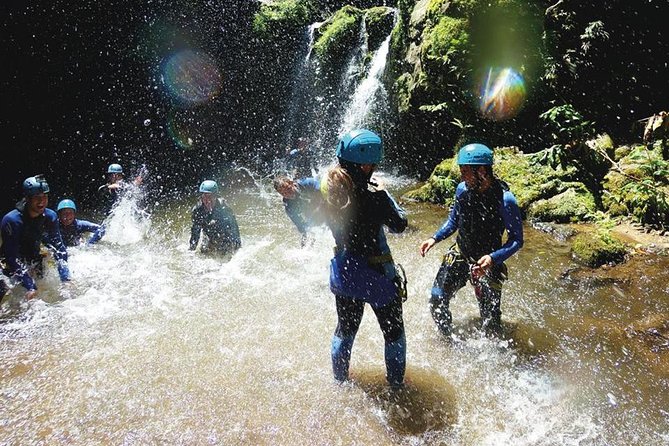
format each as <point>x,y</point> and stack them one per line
<point>490,308</point>
<point>439,308</point>
<point>395,355</point>
<point>341,356</point>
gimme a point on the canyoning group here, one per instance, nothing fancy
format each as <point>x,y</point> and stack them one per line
<point>352,203</point>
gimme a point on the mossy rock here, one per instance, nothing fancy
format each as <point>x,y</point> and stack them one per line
<point>338,35</point>
<point>573,205</point>
<point>279,18</point>
<point>440,187</point>
<point>597,248</point>
<point>454,8</point>
<point>379,23</point>
<point>528,182</point>
<point>445,44</point>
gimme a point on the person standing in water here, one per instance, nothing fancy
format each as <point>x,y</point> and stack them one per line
<point>213,217</point>
<point>112,190</point>
<point>302,201</point>
<point>72,228</point>
<point>362,270</point>
<point>23,231</point>
<point>483,209</point>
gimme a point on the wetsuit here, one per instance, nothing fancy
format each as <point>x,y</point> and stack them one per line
<point>72,234</point>
<point>303,209</point>
<point>22,237</point>
<point>109,197</point>
<point>219,225</point>
<point>480,220</point>
<point>358,231</point>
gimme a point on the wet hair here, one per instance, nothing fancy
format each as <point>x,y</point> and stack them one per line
<point>340,188</point>
<point>281,182</point>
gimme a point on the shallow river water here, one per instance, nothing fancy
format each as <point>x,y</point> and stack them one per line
<point>154,344</point>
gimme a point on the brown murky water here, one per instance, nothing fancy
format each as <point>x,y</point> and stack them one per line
<point>158,345</point>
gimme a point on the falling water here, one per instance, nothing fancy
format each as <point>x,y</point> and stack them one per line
<point>365,94</point>
<point>299,93</point>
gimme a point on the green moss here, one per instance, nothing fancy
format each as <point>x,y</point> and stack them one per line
<point>280,17</point>
<point>403,87</point>
<point>338,35</point>
<point>597,248</point>
<point>379,23</point>
<point>446,42</point>
<point>440,187</point>
<point>528,182</point>
<point>573,205</point>
<point>453,8</point>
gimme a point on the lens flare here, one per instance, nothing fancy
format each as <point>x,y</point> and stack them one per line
<point>179,129</point>
<point>191,77</point>
<point>502,93</point>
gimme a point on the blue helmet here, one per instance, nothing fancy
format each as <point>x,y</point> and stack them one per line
<point>475,154</point>
<point>360,147</point>
<point>66,204</point>
<point>209,187</point>
<point>35,185</point>
<point>114,168</point>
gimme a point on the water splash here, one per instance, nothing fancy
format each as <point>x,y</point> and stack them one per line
<point>128,222</point>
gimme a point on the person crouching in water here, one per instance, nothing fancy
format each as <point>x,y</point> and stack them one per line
<point>483,209</point>
<point>72,228</point>
<point>362,270</point>
<point>23,230</point>
<point>213,217</point>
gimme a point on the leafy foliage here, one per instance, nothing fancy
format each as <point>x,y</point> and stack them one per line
<point>569,130</point>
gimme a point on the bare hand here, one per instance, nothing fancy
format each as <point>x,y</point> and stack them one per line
<point>482,266</point>
<point>31,294</point>
<point>380,185</point>
<point>426,246</point>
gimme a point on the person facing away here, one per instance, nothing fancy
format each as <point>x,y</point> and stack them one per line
<point>213,217</point>
<point>362,270</point>
<point>302,201</point>
<point>483,209</point>
<point>72,228</point>
<point>23,231</point>
<point>111,192</point>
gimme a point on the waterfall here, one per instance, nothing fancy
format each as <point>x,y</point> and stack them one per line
<point>364,97</point>
<point>300,83</point>
<point>312,29</point>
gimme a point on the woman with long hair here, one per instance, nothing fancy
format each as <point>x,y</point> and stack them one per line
<point>362,270</point>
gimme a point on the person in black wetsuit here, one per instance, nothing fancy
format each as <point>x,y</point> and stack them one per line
<point>213,217</point>
<point>23,231</point>
<point>362,270</point>
<point>112,191</point>
<point>483,209</point>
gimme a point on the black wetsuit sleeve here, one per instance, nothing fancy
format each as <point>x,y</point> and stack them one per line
<point>195,230</point>
<point>394,217</point>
